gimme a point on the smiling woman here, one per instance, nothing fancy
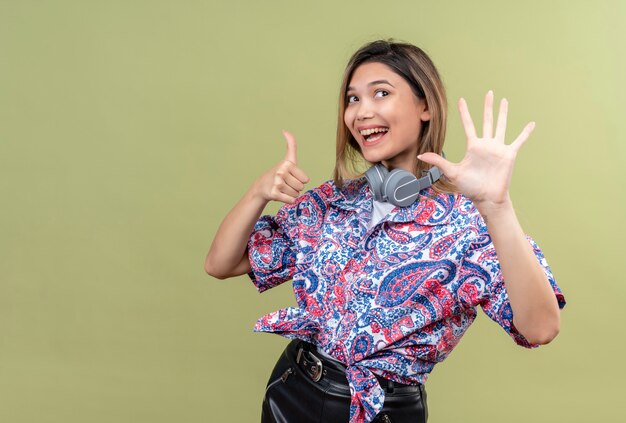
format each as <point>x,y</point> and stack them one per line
<point>384,116</point>
<point>409,76</point>
<point>386,289</point>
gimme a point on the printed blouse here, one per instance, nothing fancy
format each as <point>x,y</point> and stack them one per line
<point>391,301</point>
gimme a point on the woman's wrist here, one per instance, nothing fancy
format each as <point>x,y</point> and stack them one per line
<point>256,195</point>
<point>491,211</point>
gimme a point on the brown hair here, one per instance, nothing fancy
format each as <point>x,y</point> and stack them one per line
<point>412,64</point>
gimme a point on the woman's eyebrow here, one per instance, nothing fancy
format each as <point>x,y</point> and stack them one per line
<point>378,81</point>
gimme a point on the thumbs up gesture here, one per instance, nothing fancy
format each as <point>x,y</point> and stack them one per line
<point>285,180</point>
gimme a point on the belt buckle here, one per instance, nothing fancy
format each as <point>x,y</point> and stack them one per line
<point>316,370</point>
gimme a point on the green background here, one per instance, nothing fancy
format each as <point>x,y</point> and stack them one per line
<point>128,129</point>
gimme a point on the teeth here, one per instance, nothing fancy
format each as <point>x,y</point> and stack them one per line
<point>367,132</point>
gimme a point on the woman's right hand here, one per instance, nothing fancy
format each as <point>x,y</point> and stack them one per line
<point>228,255</point>
<point>284,181</point>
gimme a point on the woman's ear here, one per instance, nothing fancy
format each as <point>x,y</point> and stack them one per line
<point>425,114</point>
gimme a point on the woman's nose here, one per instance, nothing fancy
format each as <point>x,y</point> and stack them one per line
<point>365,111</point>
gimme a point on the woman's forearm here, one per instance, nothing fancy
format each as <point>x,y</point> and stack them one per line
<point>536,312</point>
<point>227,255</point>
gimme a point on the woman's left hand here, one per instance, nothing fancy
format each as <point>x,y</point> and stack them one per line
<point>485,172</point>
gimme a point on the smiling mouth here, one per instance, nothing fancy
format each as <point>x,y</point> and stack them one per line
<point>371,135</point>
<point>374,137</point>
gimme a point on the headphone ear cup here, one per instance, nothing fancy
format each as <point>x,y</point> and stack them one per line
<point>401,188</point>
<point>375,176</point>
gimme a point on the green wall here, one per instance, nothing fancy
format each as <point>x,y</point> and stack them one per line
<point>129,128</point>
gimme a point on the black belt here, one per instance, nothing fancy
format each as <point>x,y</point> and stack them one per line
<point>318,367</point>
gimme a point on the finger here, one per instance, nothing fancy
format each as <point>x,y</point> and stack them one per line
<point>299,174</point>
<point>488,115</point>
<point>436,160</point>
<point>294,182</point>
<point>280,188</point>
<point>468,125</point>
<point>291,147</point>
<point>287,190</point>
<point>521,138</point>
<point>502,114</point>
<point>279,196</point>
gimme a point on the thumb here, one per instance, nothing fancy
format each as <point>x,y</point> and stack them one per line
<point>291,148</point>
<point>436,160</point>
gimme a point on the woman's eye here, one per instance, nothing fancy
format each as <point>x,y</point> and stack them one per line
<point>352,98</point>
<point>383,92</point>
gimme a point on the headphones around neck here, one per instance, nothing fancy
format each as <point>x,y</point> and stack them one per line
<point>399,187</point>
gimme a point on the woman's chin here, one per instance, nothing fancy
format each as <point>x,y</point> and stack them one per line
<point>374,158</point>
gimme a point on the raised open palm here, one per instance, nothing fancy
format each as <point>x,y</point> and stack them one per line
<point>484,174</point>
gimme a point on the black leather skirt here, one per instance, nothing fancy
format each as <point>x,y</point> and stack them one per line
<point>307,387</point>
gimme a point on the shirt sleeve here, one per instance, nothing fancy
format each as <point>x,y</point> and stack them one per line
<point>272,247</point>
<point>482,284</point>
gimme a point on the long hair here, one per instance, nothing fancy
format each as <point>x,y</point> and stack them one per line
<point>418,70</point>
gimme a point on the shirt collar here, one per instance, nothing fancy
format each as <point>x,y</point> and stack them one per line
<point>431,208</point>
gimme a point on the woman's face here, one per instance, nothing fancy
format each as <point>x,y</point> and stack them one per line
<point>384,116</point>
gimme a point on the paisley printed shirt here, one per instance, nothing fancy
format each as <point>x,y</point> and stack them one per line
<point>393,300</point>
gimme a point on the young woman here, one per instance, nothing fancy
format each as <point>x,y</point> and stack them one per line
<point>389,267</point>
